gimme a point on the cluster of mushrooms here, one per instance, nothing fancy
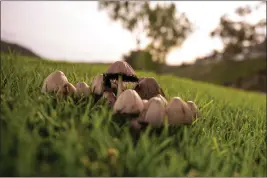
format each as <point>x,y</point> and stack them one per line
<point>144,103</point>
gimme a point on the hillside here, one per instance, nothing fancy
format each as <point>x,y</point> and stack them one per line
<point>248,74</point>
<point>41,136</point>
<point>6,47</point>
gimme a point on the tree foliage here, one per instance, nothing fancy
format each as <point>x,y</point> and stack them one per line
<point>163,25</point>
<point>239,35</point>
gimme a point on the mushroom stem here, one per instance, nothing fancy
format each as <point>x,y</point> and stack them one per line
<point>119,86</point>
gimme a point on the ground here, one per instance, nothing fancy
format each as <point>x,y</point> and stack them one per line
<point>42,136</point>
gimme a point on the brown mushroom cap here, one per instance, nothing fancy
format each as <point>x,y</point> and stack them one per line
<point>54,81</point>
<point>178,112</point>
<point>121,68</point>
<point>148,87</point>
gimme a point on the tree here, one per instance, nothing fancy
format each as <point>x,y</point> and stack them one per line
<point>239,36</point>
<point>163,25</point>
<point>130,14</point>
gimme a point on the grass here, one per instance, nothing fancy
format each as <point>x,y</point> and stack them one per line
<point>220,72</point>
<point>41,136</point>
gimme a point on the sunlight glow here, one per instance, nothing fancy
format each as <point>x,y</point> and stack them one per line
<point>78,31</point>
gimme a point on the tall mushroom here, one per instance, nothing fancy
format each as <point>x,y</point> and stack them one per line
<point>128,102</point>
<point>121,71</point>
<point>54,81</point>
<point>178,112</point>
<point>148,87</point>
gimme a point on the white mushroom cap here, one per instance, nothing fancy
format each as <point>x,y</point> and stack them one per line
<point>156,112</point>
<point>165,102</point>
<point>54,81</point>
<point>129,102</point>
<point>97,85</point>
<point>193,108</point>
<point>82,88</point>
<point>178,112</point>
<point>145,102</point>
<point>66,89</point>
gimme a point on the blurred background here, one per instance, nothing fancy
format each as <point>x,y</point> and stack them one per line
<point>221,42</point>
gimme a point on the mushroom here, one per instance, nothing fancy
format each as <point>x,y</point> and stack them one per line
<point>111,98</point>
<point>128,102</point>
<point>66,89</point>
<point>194,108</point>
<point>178,112</point>
<point>54,81</point>
<point>148,88</point>
<point>121,71</point>
<point>82,89</point>
<point>97,86</point>
<point>114,87</point>
<point>165,102</point>
<point>155,112</point>
<point>145,102</point>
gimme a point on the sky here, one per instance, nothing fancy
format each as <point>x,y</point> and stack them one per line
<point>78,31</point>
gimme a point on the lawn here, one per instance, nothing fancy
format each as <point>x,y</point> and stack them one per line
<point>220,72</point>
<point>41,136</point>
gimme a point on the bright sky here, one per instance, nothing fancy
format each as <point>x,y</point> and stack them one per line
<point>78,31</point>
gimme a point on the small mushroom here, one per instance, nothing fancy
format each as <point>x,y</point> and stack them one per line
<point>155,113</point>
<point>66,89</point>
<point>82,89</point>
<point>148,87</point>
<point>121,71</point>
<point>165,102</point>
<point>178,112</point>
<point>97,86</point>
<point>145,102</point>
<point>111,98</point>
<point>54,81</point>
<point>128,102</point>
<point>194,109</point>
